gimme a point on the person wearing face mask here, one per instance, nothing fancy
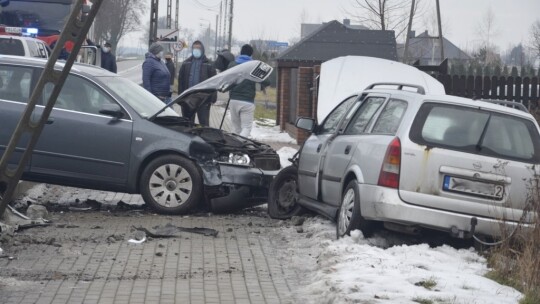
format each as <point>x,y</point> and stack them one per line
<point>194,70</point>
<point>156,76</point>
<point>108,59</point>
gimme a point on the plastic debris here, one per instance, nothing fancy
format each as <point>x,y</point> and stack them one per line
<point>133,241</point>
<point>169,231</point>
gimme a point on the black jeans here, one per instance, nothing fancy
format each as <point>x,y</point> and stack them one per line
<point>203,113</point>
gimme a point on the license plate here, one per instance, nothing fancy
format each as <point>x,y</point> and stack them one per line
<point>475,188</point>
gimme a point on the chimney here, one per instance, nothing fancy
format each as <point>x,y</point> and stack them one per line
<point>412,34</point>
<point>347,22</point>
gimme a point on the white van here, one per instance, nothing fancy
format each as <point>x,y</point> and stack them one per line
<point>23,46</point>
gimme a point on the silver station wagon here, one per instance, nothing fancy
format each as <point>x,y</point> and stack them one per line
<point>393,153</point>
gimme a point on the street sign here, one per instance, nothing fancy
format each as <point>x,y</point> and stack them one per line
<point>179,46</point>
<point>167,35</point>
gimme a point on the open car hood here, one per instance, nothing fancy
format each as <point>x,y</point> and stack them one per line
<point>195,96</point>
<point>344,76</point>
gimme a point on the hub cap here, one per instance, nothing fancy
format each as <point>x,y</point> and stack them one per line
<point>346,211</point>
<point>170,185</point>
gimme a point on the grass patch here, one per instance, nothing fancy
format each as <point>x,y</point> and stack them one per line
<point>428,284</point>
<point>423,300</point>
<point>270,96</point>
<point>516,261</point>
<point>261,112</point>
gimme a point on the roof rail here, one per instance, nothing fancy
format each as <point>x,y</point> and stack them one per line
<point>400,86</point>
<point>506,103</point>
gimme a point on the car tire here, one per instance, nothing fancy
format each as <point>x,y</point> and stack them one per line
<point>171,185</point>
<point>349,217</point>
<point>282,196</point>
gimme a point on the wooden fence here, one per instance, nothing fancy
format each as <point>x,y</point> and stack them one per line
<point>524,90</point>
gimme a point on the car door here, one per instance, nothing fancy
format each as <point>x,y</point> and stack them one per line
<point>15,88</point>
<point>79,146</point>
<point>342,147</point>
<point>314,147</point>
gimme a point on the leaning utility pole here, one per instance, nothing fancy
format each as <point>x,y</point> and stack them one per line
<point>408,34</point>
<point>441,39</point>
<point>225,17</point>
<point>219,24</point>
<point>216,40</point>
<point>231,24</point>
<point>75,31</point>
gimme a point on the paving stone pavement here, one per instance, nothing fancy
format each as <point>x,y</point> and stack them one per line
<point>84,257</point>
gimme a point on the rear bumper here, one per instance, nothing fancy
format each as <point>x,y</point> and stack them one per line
<point>384,204</point>
<point>239,187</point>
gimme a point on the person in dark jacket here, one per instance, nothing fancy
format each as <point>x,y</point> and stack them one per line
<point>170,65</point>
<point>242,97</point>
<point>156,76</point>
<point>108,59</point>
<point>196,69</point>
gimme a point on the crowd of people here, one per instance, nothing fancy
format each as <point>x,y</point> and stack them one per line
<point>159,77</point>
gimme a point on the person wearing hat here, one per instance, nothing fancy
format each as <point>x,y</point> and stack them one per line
<point>108,59</point>
<point>242,97</point>
<point>170,65</point>
<point>194,70</point>
<point>156,76</point>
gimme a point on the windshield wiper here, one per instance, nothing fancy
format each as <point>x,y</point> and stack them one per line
<point>484,131</point>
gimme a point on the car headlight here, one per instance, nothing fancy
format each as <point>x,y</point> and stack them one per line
<point>239,159</point>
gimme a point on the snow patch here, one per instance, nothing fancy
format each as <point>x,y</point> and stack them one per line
<point>359,270</point>
<point>284,154</point>
<point>265,130</point>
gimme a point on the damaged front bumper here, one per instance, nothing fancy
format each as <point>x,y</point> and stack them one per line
<point>232,187</point>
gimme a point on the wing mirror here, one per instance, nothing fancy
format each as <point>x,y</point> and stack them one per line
<point>306,123</point>
<point>112,110</point>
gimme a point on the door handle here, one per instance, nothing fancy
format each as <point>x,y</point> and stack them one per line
<point>319,148</point>
<point>50,121</point>
<point>347,149</point>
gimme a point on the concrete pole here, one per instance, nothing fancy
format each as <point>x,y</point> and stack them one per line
<point>231,24</point>
<point>407,35</point>
<point>216,40</point>
<point>441,39</point>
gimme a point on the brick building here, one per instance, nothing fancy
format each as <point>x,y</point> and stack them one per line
<point>299,66</point>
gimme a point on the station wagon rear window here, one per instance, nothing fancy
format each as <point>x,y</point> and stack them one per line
<point>476,131</point>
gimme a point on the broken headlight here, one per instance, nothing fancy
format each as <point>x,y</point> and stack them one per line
<point>239,159</point>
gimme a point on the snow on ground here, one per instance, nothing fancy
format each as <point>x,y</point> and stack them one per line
<point>284,154</point>
<point>265,130</point>
<point>386,270</point>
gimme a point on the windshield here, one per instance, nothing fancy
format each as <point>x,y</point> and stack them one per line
<point>142,101</point>
<point>47,16</point>
<point>476,131</point>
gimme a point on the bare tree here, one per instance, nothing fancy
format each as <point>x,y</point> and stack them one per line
<point>535,38</point>
<point>487,28</point>
<point>116,18</point>
<point>384,14</point>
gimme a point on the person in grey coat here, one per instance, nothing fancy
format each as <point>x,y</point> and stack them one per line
<point>156,75</point>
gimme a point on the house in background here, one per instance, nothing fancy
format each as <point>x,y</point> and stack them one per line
<point>427,50</point>
<point>308,28</point>
<point>299,66</point>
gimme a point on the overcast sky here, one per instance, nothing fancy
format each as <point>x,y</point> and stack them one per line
<point>279,19</point>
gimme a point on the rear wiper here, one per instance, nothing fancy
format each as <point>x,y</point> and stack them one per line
<point>484,131</point>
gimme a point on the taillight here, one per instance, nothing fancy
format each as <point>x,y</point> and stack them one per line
<point>389,176</point>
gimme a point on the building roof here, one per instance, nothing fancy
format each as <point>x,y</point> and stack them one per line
<point>333,39</point>
<point>427,49</point>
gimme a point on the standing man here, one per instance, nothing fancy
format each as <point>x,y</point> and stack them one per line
<point>194,70</point>
<point>108,59</point>
<point>242,97</point>
<point>170,65</point>
<point>156,76</point>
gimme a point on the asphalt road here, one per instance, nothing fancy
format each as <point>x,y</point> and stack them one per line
<point>131,69</point>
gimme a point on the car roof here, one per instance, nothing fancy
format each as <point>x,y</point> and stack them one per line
<point>79,68</point>
<point>453,100</point>
<point>19,38</point>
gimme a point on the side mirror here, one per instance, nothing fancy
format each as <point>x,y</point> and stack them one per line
<point>112,110</point>
<point>305,123</point>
